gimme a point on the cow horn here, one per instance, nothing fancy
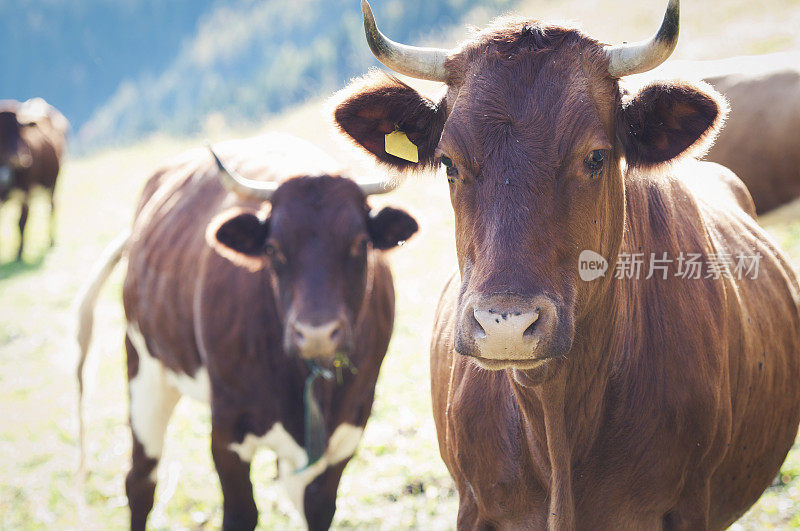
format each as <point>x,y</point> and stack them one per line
<point>413,61</point>
<point>237,183</point>
<point>379,187</point>
<point>638,57</point>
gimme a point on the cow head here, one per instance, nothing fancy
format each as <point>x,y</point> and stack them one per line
<point>15,155</point>
<point>319,238</point>
<point>537,141</point>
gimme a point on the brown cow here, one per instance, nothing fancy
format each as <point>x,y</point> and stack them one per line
<point>33,137</point>
<point>761,138</point>
<point>240,301</point>
<point>623,402</point>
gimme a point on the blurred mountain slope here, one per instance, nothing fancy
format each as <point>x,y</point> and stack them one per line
<point>121,70</point>
<point>75,53</point>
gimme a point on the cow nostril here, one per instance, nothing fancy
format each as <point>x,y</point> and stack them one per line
<point>336,334</point>
<point>477,330</point>
<point>531,330</point>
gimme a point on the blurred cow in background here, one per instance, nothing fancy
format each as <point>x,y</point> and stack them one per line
<point>241,300</point>
<point>761,138</point>
<point>32,142</point>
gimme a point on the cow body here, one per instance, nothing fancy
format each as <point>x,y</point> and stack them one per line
<point>760,139</point>
<point>227,328</point>
<point>641,398</point>
<point>32,144</point>
<point>652,421</point>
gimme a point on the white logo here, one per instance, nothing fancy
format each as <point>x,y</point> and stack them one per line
<point>591,265</point>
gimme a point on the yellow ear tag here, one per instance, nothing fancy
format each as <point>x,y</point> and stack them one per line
<point>398,144</point>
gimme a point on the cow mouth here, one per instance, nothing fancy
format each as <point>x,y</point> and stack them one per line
<point>500,364</point>
<point>339,361</point>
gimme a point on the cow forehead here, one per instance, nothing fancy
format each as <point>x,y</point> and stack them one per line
<point>540,116</point>
<point>9,133</point>
<point>512,37</point>
<point>8,122</point>
<point>326,206</point>
<point>540,99</point>
<point>519,78</point>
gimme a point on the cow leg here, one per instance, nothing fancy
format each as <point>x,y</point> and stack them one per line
<point>23,220</point>
<point>152,400</point>
<point>691,511</point>
<point>52,218</point>
<point>467,511</point>
<point>319,499</point>
<point>239,508</point>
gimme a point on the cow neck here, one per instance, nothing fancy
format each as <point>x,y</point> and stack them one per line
<point>316,434</point>
<point>313,422</point>
<point>370,281</point>
<point>562,416</point>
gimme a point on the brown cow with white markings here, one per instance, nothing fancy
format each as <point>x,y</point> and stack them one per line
<point>33,137</point>
<point>623,402</point>
<point>240,300</point>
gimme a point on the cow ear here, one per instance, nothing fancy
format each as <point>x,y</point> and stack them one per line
<point>377,105</point>
<point>239,236</point>
<point>666,119</point>
<point>391,226</point>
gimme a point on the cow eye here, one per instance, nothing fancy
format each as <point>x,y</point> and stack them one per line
<point>273,251</point>
<point>359,246</point>
<point>594,161</point>
<point>449,166</point>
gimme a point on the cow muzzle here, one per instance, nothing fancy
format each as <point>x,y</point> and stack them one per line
<point>317,341</point>
<point>503,332</point>
<point>21,161</point>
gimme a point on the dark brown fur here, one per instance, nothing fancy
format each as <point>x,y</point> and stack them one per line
<point>32,143</point>
<point>197,309</point>
<point>659,403</point>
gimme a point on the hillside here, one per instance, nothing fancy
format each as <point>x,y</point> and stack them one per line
<point>125,69</point>
<point>75,54</point>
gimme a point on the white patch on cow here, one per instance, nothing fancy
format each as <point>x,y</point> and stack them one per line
<point>154,392</point>
<point>293,459</point>
<point>152,398</point>
<point>197,387</point>
<point>277,439</point>
<point>341,445</point>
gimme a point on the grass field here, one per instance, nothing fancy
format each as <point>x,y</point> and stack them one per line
<point>397,479</point>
